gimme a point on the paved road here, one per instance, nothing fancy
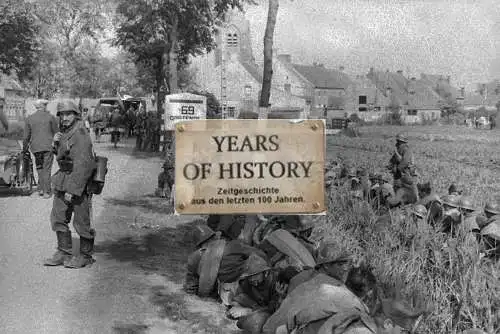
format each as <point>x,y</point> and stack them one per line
<point>116,294</point>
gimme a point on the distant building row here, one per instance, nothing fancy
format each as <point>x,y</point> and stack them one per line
<point>233,76</point>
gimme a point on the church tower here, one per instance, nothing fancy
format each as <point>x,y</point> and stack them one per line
<point>234,39</point>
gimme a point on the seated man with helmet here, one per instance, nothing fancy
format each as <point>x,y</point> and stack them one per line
<point>490,230</point>
<point>166,180</point>
<point>451,216</point>
<point>323,304</point>
<point>259,290</point>
<point>215,260</point>
<point>469,216</point>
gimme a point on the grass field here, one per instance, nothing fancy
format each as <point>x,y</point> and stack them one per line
<point>459,288</point>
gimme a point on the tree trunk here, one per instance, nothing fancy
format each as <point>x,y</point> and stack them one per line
<point>172,55</point>
<point>265,93</point>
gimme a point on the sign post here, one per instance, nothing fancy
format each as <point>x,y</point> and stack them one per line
<point>181,107</point>
<point>269,166</point>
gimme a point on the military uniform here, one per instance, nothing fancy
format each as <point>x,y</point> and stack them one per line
<point>403,169</point>
<point>76,161</point>
<point>39,130</point>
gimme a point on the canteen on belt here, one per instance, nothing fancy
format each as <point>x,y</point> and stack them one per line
<point>101,169</point>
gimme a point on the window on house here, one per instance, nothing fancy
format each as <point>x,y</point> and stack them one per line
<point>362,99</point>
<point>231,111</point>
<point>288,88</point>
<point>232,40</point>
<point>412,112</point>
<point>248,92</point>
<point>363,109</point>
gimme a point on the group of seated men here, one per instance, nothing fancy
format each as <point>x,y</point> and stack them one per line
<point>449,212</point>
<point>273,279</point>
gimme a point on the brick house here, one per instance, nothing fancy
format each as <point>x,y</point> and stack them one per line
<point>415,99</point>
<point>233,76</point>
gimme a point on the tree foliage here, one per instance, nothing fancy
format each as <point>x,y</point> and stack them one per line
<point>19,37</point>
<point>162,34</point>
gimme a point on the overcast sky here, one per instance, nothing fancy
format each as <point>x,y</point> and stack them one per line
<point>459,38</point>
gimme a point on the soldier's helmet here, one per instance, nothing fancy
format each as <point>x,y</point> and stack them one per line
<point>434,198</point>
<point>254,265</point>
<point>451,201</point>
<point>493,208</point>
<point>420,211</point>
<point>202,234</point>
<point>466,203</point>
<point>330,252</point>
<point>352,172</point>
<point>67,106</point>
<point>401,138</point>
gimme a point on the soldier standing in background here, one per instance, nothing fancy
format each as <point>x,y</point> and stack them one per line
<point>403,169</point>
<point>39,130</point>
<point>76,161</point>
<point>140,128</point>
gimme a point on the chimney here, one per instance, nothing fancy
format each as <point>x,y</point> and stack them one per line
<point>341,68</point>
<point>400,72</point>
<point>286,58</point>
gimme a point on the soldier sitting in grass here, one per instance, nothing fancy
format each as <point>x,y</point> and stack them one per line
<point>331,260</point>
<point>469,216</point>
<point>215,259</point>
<point>451,216</point>
<point>325,305</point>
<point>259,289</point>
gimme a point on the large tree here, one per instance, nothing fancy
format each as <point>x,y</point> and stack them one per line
<point>19,38</point>
<point>162,34</point>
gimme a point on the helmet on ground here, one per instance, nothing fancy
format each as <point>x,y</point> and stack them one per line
<point>493,208</point>
<point>466,203</point>
<point>203,233</point>
<point>420,211</point>
<point>67,106</point>
<point>330,252</point>
<point>401,138</point>
<point>254,265</point>
<point>451,200</point>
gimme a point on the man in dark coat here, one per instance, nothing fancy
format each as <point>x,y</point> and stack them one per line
<point>76,160</point>
<point>39,130</point>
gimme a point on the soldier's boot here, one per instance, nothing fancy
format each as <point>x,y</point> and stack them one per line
<point>63,253</point>
<point>84,258</point>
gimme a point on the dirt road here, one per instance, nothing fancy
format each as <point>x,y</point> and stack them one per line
<point>135,285</point>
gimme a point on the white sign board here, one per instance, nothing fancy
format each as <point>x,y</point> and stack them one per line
<point>184,107</point>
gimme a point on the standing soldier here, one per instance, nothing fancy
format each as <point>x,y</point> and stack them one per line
<point>39,130</point>
<point>76,161</point>
<point>140,128</point>
<point>403,169</point>
<point>116,121</point>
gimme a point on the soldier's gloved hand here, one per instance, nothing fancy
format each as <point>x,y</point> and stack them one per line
<point>68,197</point>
